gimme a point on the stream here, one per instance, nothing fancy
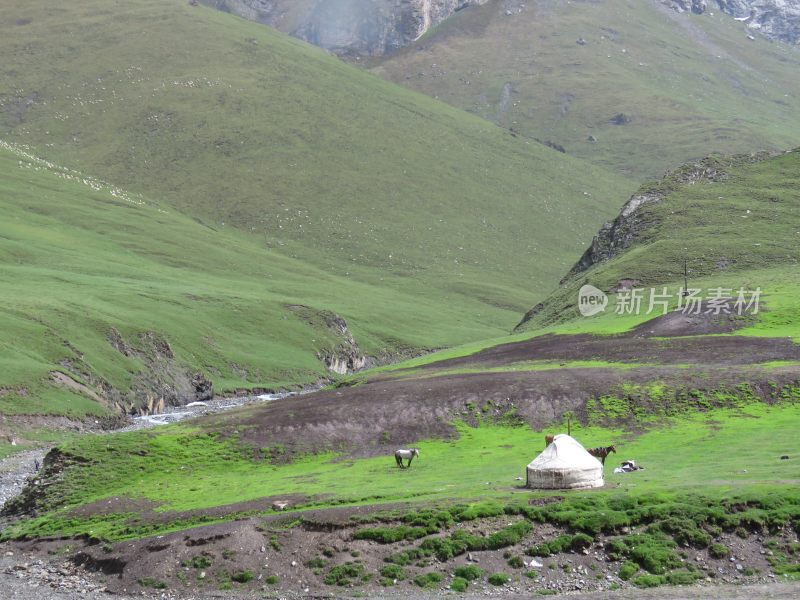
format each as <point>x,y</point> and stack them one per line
<point>16,469</point>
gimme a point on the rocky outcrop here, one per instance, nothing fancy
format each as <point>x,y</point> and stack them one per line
<point>632,223</point>
<point>775,19</point>
<point>339,352</point>
<point>346,356</point>
<point>348,27</point>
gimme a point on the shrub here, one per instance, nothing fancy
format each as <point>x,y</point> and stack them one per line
<point>510,536</point>
<point>468,572</point>
<point>515,562</point>
<point>480,510</point>
<point>445,548</point>
<point>272,579</point>
<point>648,581</point>
<point>563,543</point>
<point>499,579</point>
<point>344,574</point>
<point>390,535</point>
<point>581,541</point>
<point>316,563</point>
<point>428,580</point>
<point>405,557</point>
<point>199,562</point>
<point>532,574</point>
<point>242,576</point>
<point>718,551</point>
<point>393,572</point>
<point>655,554</point>
<point>459,584</point>
<point>684,531</point>
<point>628,570</point>
<point>682,577</point>
<point>152,582</point>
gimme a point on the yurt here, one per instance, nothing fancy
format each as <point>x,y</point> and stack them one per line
<point>565,464</point>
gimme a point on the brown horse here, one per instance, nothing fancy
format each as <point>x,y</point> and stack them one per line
<point>602,452</point>
<point>548,439</point>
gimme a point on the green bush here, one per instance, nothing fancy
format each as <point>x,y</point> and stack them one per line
<point>406,557</point>
<point>515,562</point>
<point>459,584</point>
<point>390,535</point>
<point>499,579</point>
<point>272,580</point>
<point>684,531</point>
<point>628,570</point>
<point>683,577</point>
<point>316,563</point>
<point>344,574</point>
<point>429,580</point>
<point>393,572</point>
<point>480,510</point>
<point>459,542</point>
<point>152,582</point>
<point>718,551</point>
<point>199,562</point>
<point>242,576</point>
<point>468,572</point>
<point>532,574</point>
<point>648,581</point>
<point>581,541</point>
<point>654,553</point>
<point>563,543</point>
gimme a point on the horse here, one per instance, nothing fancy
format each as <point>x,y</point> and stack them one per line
<point>408,455</point>
<point>548,439</point>
<point>602,452</point>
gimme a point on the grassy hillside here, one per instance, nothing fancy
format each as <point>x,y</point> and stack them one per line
<point>79,258</point>
<point>684,85</point>
<point>737,229</point>
<point>240,126</point>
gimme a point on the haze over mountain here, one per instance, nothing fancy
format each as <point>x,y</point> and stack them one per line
<point>354,28</point>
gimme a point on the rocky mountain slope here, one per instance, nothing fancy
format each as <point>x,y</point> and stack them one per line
<point>348,27</point>
<point>633,86</point>
<point>376,27</point>
<point>775,19</point>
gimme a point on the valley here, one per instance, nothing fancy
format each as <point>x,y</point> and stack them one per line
<point>242,277</point>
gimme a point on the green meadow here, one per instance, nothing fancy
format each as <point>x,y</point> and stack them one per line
<point>719,453</point>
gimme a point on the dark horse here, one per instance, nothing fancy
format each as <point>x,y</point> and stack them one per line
<point>602,452</point>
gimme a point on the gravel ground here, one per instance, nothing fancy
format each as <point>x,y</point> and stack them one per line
<point>14,472</point>
<point>28,578</point>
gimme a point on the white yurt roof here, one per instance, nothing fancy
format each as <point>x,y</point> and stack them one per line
<point>565,464</point>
